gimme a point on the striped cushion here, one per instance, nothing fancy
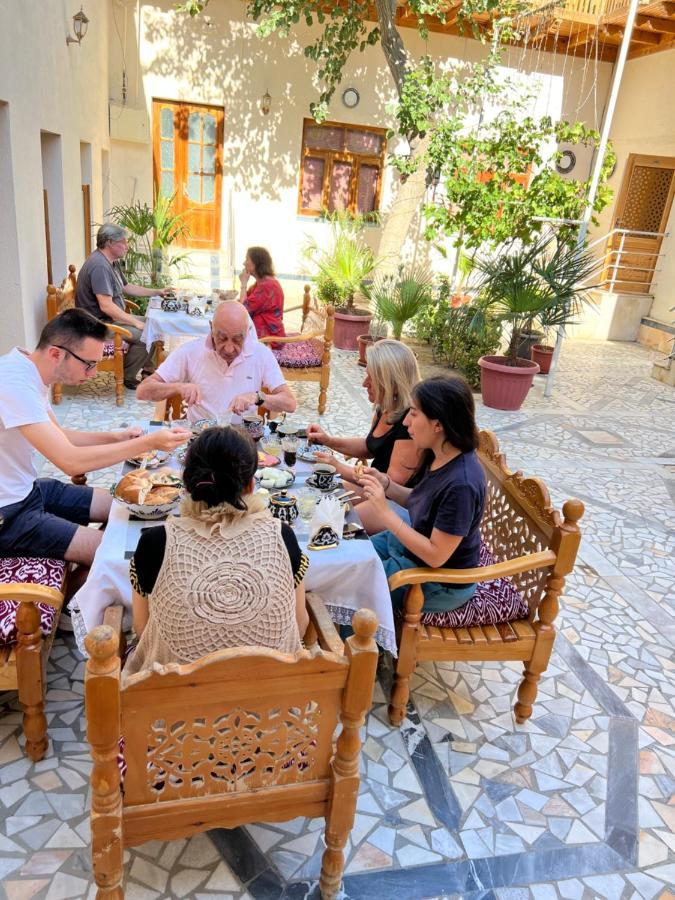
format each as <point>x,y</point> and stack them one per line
<point>28,570</point>
<point>494,602</point>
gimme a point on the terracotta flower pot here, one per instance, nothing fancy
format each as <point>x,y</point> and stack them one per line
<point>503,386</point>
<point>364,341</point>
<point>348,327</point>
<point>527,339</point>
<point>542,354</point>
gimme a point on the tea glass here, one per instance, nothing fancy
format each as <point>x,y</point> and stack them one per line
<point>272,445</point>
<point>307,500</point>
<point>290,447</point>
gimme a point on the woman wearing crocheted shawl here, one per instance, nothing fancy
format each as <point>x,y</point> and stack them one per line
<point>225,573</point>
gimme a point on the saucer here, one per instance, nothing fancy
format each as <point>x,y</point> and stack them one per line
<point>336,485</point>
<point>306,451</point>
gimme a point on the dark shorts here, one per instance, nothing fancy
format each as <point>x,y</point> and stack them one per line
<point>44,523</point>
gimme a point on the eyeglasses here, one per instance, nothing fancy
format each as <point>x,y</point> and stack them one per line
<point>88,364</point>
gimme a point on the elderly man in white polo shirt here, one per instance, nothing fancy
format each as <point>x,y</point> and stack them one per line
<point>226,371</point>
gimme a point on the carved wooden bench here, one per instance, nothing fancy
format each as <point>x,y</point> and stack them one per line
<point>240,736</point>
<point>306,356</point>
<point>62,298</point>
<point>31,597</point>
<point>534,547</point>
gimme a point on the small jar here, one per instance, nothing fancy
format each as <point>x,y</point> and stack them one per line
<point>284,506</point>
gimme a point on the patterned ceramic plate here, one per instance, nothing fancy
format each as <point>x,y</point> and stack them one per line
<point>306,451</point>
<point>154,458</point>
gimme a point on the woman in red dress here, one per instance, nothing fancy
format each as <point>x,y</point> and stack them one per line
<point>264,300</point>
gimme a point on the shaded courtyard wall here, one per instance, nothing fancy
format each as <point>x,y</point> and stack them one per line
<point>52,97</point>
<point>221,61</point>
<point>644,123</point>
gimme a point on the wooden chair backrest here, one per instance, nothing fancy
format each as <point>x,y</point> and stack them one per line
<point>520,519</point>
<point>235,722</point>
<point>246,733</point>
<point>63,297</point>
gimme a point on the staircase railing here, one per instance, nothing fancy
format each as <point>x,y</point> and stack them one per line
<point>613,259</point>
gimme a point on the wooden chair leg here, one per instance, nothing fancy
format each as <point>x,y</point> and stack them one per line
<point>102,698</point>
<point>407,655</point>
<point>31,679</point>
<point>543,647</point>
<point>534,668</point>
<point>119,381</point>
<point>56,394</point>
<point>362,652</point>
<point>323,388</point>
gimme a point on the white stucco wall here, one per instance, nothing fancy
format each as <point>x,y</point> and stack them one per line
<point>644,123</point>
<point>226,64</point>
<point>45,86</point>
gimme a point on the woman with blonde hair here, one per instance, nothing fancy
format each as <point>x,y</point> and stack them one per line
<point>391,373</point>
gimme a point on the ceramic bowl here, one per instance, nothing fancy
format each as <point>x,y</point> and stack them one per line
<point>147,510</point>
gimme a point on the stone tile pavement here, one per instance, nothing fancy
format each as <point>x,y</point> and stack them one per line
<point>577,803</point>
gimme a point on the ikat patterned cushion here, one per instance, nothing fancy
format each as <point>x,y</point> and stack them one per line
<point>28,570</point>
<point>494,602</point>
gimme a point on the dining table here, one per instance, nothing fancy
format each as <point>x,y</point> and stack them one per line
<point>161,325</point>
<point>347,577</point>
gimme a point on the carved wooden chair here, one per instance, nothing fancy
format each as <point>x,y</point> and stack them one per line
<point>240,736</point>
<point>529,546</point>
<point>31,597</point>
<point>62,298</point>
<point>306,356</point>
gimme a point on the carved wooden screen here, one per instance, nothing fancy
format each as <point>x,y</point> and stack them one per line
<point>505,530</point>
<point>271,725</point>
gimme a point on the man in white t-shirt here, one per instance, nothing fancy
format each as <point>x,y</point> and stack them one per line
<point>45,517</point>
<point>226,371</point>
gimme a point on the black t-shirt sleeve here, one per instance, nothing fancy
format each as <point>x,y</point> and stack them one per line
<point>147,560</point>
<point>299,562</point>
<point>456,510</point>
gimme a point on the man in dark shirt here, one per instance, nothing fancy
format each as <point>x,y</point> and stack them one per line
<point>100,291</point>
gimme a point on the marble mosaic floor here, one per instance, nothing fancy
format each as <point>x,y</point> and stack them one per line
<point>577,803</point>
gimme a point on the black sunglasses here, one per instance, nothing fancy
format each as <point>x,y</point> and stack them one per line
<point>87,363</point>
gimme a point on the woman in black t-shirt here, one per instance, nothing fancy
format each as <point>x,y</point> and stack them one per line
<point>391,372</point>
<point>446,505</point>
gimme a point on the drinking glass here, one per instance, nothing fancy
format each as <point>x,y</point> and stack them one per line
<point>290,447</point>
<point>307,500</point>
<point>225,418</point>
<point>272,445</point>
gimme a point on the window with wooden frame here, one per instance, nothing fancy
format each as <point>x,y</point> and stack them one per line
<point>341,168</point>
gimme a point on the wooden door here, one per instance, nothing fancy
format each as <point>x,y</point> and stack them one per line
<point>187,163</point>
<point>643,205</point>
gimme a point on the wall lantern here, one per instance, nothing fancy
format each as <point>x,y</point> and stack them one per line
<point>80,23</point>
<point>265,103</point>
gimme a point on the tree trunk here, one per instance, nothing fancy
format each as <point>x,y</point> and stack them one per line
<point>403,210</point>
<point>392,45</point>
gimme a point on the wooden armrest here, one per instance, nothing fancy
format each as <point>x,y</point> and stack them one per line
<point>32,593</point>
<point>117,329</point>
<point>130,305</point>
<point>326,631</point>
<point>296,338</point>
<point>113,617</point>
<point>288,309</point>
<point>541,560</point>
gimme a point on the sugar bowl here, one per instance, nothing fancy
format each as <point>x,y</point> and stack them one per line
<point>284,506</point>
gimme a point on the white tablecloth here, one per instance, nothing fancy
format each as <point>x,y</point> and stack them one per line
<point>347,578</point>
<point>161,325</point>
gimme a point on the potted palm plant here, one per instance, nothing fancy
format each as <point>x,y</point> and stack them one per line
<point>399,297</point>
<point>542,284</point>
<point>152,231</point>
<point>377,331</point>
<point>342,270</point>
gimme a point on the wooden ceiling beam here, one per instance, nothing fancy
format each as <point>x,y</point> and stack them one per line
<point>650,23</point>
<point>581,37</point>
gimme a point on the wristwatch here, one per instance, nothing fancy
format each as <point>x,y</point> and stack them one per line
<point>259,398</point>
